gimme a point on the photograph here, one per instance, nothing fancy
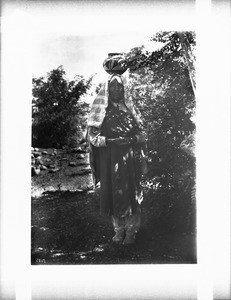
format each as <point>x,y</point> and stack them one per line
<point>111,180</point>
<point>112,162</point>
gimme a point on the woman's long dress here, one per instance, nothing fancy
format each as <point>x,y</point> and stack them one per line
<point>119,166</point>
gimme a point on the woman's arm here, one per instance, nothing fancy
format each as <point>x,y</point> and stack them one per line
<point>95,137</point>
<point>98,140</point>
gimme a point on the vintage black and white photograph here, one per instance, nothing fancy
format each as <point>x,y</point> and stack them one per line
<point>115,163</point>
<point>112,157</point>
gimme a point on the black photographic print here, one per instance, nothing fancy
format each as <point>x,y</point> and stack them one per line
<point>118,131</point>
<point>83,210</point>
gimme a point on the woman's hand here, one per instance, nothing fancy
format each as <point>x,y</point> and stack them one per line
<point>121,141</point>
<point>140,138</point>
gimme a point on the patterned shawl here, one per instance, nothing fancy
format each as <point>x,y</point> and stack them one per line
<point>98,109</point>
<point>96,117</point>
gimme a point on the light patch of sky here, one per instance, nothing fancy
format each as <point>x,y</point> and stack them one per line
<point>83,55</point>
<point>79,35</point>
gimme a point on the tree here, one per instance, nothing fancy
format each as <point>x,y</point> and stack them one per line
<point>161,83</point>
<point>59,115</point>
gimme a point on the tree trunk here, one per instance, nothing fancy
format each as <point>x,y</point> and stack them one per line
<point>190,61</point>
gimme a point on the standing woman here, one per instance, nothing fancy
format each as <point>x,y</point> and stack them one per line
<point>117,140</point>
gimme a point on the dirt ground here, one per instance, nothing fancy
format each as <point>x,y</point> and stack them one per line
<point>67,228</point>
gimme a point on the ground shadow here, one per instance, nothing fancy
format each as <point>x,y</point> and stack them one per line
<point>67,229</point>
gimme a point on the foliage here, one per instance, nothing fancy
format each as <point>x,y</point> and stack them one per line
<point>57,110</point>
<point>161,88</point>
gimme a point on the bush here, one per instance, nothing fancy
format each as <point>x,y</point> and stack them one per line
<point>162,89</point>
<point>59,115</point>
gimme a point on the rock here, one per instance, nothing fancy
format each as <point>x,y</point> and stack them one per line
<point>87,171</point>
<point>43,167</point>
<point>90,192</point>
<point>48,160</point>
<point>80,156</point>
<point>54,170</point>
<point>55,152</point>
<point>51,166</point>
<point>74,150</point>
<point>84,172</point>
<point>39,161</point>
<point>32,148</point>
<point>72,163</point>
<point>32,155</point>
<point>81,191</point>
<point>34,171</point>
<point>83,164</point>
<point>52,154</point>
<point>64,158</point>
<point>36,149</point>
<point>44,152</point>
<point>78,150</point>
<point>37,153</point>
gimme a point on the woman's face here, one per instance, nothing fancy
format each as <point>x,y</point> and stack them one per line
<point>116,91</point>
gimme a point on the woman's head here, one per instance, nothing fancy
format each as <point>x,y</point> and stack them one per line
<point>107,94</point>
<point>116,89</point>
